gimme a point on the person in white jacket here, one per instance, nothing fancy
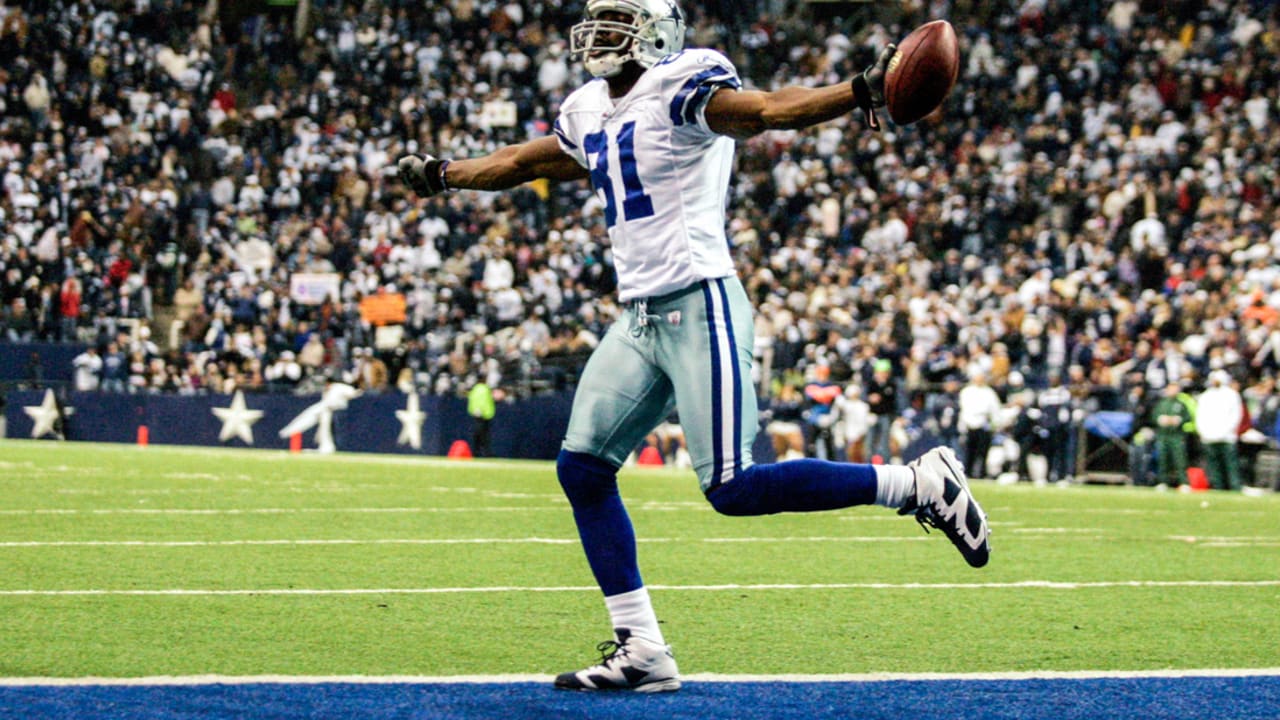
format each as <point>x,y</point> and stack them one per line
<point>853,422</point>
<point>1219,410</point>
<point>979,411</point>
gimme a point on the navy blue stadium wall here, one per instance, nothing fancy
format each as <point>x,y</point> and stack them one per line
<point>528,429</point>
<point>368,424</point>
<point>53,361</point>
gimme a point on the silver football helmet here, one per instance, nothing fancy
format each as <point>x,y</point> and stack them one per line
<point>655,31</point>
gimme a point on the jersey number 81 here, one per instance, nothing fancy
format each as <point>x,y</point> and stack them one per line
<point>636,204</point>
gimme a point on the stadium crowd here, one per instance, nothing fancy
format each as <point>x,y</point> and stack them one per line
<point>1091,218</point>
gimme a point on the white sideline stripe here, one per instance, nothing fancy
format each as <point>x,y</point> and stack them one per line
<point>1017,585</point>
<point>193,680</point>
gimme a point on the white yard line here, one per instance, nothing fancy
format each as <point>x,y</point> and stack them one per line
<point>318,541</point>
<point>1016,585</point>
<point>1225,538</point>
<point>275,455</point>
<point>437,541</point>
<point>198,680</point>
<point>1057,531</point>
<point>272,511</point>
<point>1029,534</point>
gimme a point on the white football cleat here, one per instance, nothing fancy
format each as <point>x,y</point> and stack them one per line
<point>943,501</point>
<point>629,663</point>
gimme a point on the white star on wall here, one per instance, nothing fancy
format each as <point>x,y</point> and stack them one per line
<point>237,420</point>
<point>44,415</point>
<point>411,419</point>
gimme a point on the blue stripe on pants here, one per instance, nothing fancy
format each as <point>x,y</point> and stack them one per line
<point>735,416</point>
<point>717,420</point>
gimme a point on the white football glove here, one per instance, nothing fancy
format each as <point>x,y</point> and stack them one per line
<point>424,174</point>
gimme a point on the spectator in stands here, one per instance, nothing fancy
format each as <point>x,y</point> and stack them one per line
<point>1170,417</point>
<point>942,410</point>
<point>820,394</point>
<point>785,425</point>
<point>1219,410</point>
<point>882,398</point>
<point>283,374</point>
<point>1056,407</point>
<point>69,308</point>
<point>979,411</point>
<point>482,408</point>
<point>371,373</point>
<point>88,369</point>
<point>853,422</point>
<point>115,368</point>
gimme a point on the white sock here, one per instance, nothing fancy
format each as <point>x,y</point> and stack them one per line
<point>633,611</point>
<point>895,484</point>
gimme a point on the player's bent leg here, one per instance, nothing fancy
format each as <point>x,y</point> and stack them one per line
<point>933,488</point>
<point>628,662</point>
<point>795,486</point>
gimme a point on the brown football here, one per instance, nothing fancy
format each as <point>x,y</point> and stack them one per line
<point>922,72</point>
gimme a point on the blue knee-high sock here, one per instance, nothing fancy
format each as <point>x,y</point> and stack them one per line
<point>795,486</point>
<point>607,536</point>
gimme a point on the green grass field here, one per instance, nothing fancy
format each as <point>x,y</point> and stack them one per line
<point>120,561</point>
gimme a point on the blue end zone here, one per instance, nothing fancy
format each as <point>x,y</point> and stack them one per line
<point>1216,698</point>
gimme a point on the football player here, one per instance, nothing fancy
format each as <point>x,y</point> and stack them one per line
<point>655,132</point>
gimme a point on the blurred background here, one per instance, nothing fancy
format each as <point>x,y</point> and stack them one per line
<point>199,200</point>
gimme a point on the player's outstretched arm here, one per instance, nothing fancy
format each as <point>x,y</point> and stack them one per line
<point>742,114</point>
<point>503,169</point>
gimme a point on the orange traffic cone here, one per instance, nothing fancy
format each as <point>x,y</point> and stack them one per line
<point>144,436</point>
<point>459,450</point>
<point>1197,479</point>
<point>649,456</point>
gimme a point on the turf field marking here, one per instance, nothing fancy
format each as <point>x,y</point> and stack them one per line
<point>271,455</point>
<point>1228,541</point>
<point>197,476</point>
<point>1225,538</point>
<point>1017,585</point>
<point>561,505</point>
<point>435,541</point>
<point>1033,534</point>
<point>1134,511</point>
<point>193,680</point>
<point>1058,531</point>
<point>335,541</point>
<point>270,511</point>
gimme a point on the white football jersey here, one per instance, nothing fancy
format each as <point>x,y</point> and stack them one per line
<point>662,173</point>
